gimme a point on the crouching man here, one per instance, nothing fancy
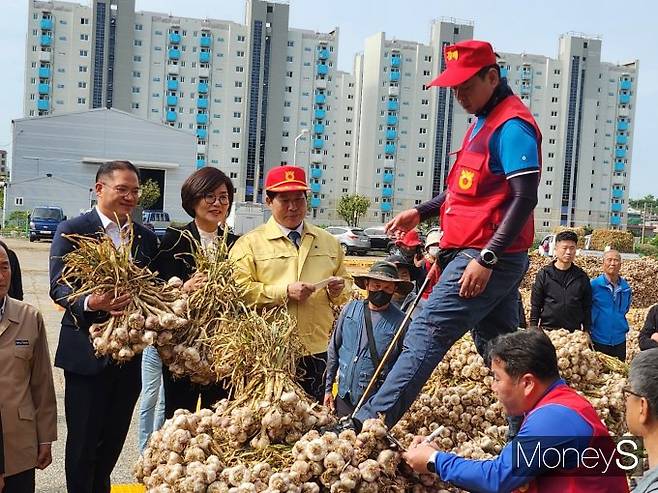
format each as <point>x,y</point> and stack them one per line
<point>364,331</point>
<point>527,382</point>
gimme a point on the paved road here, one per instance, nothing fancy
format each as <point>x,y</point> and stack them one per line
<point>34,265</point>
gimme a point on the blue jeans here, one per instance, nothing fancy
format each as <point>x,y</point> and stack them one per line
<point>152,404</point>
<point>444,319</point>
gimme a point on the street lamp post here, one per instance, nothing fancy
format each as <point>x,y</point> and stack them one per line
<point>294,157</point>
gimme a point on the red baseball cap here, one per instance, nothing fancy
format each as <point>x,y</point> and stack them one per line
<point>410,239</point>
<point>286,179</point>
<point>463,61</point>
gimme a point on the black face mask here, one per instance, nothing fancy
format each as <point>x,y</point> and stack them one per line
<point>379,298</point>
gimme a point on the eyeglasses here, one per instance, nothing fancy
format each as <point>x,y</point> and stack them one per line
<point>125,191</point>
<point>627,390</point>
<point>211,198</point>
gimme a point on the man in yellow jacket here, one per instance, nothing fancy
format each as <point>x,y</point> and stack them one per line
<point>285,261</point>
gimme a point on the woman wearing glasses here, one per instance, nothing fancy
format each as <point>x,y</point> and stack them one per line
<point>207,196</point>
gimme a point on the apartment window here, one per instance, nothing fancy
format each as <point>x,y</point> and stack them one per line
<point>237,114</point>
<point>84,21</point>
<point>82,68</point>
<point>286,104</point>
<point>553,113</point>
<point>135,90</point>
<point>82,100</point>
<point>138,42</point>
<point>426,73</point>
<point>240,54</point>
<point>286,119</point>
<point>83,53</point>
<point>556,86</point>
<point>289,73</point>
<point>422,130</point>
<point>551,154</point>
<point>138,27</point>
<point>291,43</point>
<point>547,196</point>
<point>237,99</point>
<point>18,200</point>
<point>235,145</point>
<point>234,160</point>
<point>551,141</point>
<point>423,116</point>
<point>428,58</point>
<point>553,127</point>
<point>419,188</point>
<point>84,37</point>
<point>137,58</point>
<point>241,38</point>
<point>284,148</point>
<point>289,59</point>
<point>239,69</point>
<point>422,145</point>
<point>137,74</point>
<point>421,159</point>
<point>236,130</point>
<point>135,106</point>
<point>425,101</point>
<point>288,89</point>
<point>420,173</point>
<point>82,85</point>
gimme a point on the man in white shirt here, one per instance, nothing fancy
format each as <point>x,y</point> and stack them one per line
<point>99,395</point>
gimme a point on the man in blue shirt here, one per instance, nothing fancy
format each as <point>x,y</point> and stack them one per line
<point>611,300</point>
<point>556,419</point>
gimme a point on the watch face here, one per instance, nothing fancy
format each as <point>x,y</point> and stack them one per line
<point>488,257</point>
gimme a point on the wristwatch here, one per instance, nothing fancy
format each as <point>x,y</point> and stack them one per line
<point>488,258</point>
<point>431,462</point>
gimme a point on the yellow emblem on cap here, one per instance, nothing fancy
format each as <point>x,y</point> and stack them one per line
<point>466,179</point>
<point>290,176</point>
<point>452,55</point>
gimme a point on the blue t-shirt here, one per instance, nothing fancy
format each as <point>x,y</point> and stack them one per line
<point>512,148</point>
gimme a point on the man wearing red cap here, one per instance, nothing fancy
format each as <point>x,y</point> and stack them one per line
<point>487,222</point>
<point>284,261</point>
<point>410,247</point>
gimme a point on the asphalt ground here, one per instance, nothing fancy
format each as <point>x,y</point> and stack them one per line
<point>33,258</point>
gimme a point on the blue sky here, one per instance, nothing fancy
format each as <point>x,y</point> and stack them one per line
<point>628,30</point>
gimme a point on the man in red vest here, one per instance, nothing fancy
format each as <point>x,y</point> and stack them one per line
<point>487,222</point>
<point>562,447</point>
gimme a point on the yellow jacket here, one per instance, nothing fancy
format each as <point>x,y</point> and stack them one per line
<point>267,262</point>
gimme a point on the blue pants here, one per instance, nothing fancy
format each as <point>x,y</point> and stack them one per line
<point>444,319</point>
<point>152,404</point>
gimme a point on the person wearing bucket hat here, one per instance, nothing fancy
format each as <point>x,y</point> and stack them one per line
<point>486,215</point>
<point>364,331</point>
<point>288,261</point>
<point>404,273</point>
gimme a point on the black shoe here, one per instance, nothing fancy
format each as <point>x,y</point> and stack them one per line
<point>344,423</point>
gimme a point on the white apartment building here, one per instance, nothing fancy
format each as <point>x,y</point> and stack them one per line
<point>245,90</point>
<point>259,94</point>
<point>584,107</point>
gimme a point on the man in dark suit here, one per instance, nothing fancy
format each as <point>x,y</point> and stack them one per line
<point>99,395</point>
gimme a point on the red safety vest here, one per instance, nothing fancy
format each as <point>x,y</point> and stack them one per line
<point>578,480</point>
<point>477,199</point>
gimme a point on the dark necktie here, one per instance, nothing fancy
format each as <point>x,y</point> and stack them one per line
<point>295,237</point>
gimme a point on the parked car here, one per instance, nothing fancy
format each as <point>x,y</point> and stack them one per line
<point>43,222</point>
<point>352,240</point>
<point>156,221</point>
<point>379,240</point>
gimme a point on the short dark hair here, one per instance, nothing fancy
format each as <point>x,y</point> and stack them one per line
<point>5,247</point>
<point>201,182</point>
<point>109,167</point>
<point>643,377</point>
<point>485,70</point>
<point>526,351</point>
<point>566,236</point>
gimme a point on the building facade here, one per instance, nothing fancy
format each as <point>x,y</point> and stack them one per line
<point>260,93</point>
<point>55,159</point>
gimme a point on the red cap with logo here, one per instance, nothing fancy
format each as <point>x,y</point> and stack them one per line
<point>410,239</point>
<point>286,179</point>
<point>463,61</point>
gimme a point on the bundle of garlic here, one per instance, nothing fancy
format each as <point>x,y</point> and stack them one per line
<point>155,311</point>
<point>211,310</point>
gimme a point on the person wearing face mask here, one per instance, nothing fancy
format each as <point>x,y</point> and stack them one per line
<point>410,247</point>
<point>364,331</point>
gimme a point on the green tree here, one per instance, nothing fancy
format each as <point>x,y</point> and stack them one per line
<point>150,193</point>
<point>352,207</point>
<point>649,200</point>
